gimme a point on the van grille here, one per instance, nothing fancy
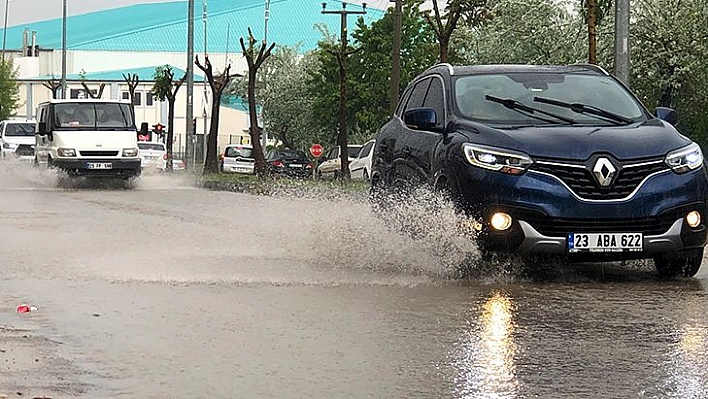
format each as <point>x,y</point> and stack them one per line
<point>93,153</point>
<point>24,150</point>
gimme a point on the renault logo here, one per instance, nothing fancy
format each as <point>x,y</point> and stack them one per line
<point>604,171</point>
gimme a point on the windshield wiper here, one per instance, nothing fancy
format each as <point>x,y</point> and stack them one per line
<point>526,110</point>
<point>587,109</point>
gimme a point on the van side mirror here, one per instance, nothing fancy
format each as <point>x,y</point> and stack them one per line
<point>667,114</point>
<point>421,118</point>
<point>42,129</point>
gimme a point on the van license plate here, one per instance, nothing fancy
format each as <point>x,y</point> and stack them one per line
<point>99,165</point>
<point>605,242</point>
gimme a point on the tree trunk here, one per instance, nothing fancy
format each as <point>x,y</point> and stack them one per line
<point>211,163</point>
<point>170,132</point>
<point>592,32</point>
<point>342,139</point>
<point>444,49</point>
<point>260,167</point>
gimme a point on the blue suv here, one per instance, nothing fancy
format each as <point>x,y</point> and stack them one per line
<point>550,160</point>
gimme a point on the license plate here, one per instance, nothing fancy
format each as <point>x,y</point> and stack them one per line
<point>605,242</point>
<point>99,165</point>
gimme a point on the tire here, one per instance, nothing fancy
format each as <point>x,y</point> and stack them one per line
<point>685,265</point>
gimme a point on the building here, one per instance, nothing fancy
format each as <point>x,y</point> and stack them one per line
<point>103,47</point>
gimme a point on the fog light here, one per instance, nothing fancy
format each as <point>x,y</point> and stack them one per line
<point>693,219</point>
<point>501,221</point>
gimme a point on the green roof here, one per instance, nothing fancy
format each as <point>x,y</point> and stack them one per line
<point>163,26</point>
<point>145,74</point>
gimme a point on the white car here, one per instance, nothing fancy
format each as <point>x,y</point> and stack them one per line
<point>360,167</point>
<point>238,158</point>
<point>17,139</point>
<point>153,155</point>
<point>331,166</point>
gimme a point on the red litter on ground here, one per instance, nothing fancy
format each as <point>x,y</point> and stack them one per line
<point>24,308</point>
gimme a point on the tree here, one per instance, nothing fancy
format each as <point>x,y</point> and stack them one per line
<point>669,45</point>
<point>9,90</point>
<point>444,25</point>
<point>217,85</point>
<point>594,12</point>
<point>371,67</point>
<point>54,85</point>
<point>132,80</point>
<point>166,88</point>
<point>255,59</point>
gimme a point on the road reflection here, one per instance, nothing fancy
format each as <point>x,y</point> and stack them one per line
<point>485,361</point>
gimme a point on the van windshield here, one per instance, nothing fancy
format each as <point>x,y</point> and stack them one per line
<point>19,129</point>
<point>93,116</point>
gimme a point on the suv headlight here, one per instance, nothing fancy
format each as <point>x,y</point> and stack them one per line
<point>685,159</point>
<point>501,160</point>
<point>9,146</point>
<point>130,152</point>
<point>66,152</point>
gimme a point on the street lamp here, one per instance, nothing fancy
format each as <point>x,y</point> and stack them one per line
<point>4,30</point>
<point>63,50</point>
<point>266,16</point>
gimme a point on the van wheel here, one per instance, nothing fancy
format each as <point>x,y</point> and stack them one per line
<point>685,265</point>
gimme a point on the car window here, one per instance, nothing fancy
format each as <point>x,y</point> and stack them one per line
<point>19,129</point>
<point>403,101</point>
<point>435,99</point>
<point>353,151</point>
<point>333,153</point>
<point>589,89</point>
<point>418,94</point>
<point>289,154</point>
<point>366,149</point>
<point>244,152</point>
<point>151,146</point>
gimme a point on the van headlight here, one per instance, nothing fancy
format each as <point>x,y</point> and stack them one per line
<point>501,160</point>
<point>66,152</point>
<point>685,159</point>
<point>9,146</point>
<point>130,152</point>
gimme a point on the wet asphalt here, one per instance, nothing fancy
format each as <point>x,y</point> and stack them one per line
<point>165,290</point>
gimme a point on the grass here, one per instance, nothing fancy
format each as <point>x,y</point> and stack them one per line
<point>270,185</point>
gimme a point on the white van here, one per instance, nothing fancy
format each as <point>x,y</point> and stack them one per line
<point>93,137</point>
<point>17,139</point>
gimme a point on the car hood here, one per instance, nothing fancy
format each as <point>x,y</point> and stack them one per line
<point>653,138</point>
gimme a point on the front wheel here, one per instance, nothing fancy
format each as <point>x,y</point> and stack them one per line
<point>685,265</point>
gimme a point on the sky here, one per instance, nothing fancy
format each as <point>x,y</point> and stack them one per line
<point>24,11</point>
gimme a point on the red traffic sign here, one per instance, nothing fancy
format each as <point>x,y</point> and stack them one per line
<point>316,150</point>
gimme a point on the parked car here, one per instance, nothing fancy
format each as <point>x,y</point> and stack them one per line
<point>288,163</point>
<point>238,158</point>
<point>17,139</point>
<point>552,160</point>
<point>360,166</point>
<point>331,166</point>
<point>153,155</point>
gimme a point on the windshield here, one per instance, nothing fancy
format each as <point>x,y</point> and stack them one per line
<point>592,90</point>
<point>19,129</point>
<point>352,152</point>
<point>287,154</point>
<point>93,116</point>
<point>151,146</point>
<point>243,152</point>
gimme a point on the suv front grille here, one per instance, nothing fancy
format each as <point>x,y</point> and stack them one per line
<point>24,150</point>
<point>559,227</point>
<point>581,181</point>
<point>93,153</point>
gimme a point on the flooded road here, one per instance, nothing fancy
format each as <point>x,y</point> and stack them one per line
<point>166,290</point>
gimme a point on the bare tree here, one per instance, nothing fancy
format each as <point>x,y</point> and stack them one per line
<point>166,88</point>
<point>132,80</point>
<point>255,60</point>
<point>90,92</point>
<point>472,11</point>
<point>54,85</point>
<point>217,85</point>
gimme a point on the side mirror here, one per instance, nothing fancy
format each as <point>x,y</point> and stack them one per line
<point>421,118</point>
<point>42,129</point>
<point>667,114</point>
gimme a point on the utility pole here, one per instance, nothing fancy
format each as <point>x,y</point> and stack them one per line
<point>622,59</point>
<point>189,128</point>
<point>63,50</point>
<point>342,55</point>
<point>396,56</point>
<point>4,31</point>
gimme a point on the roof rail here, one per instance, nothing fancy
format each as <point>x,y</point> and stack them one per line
<point>443,64</point>
<point>592,66</point>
